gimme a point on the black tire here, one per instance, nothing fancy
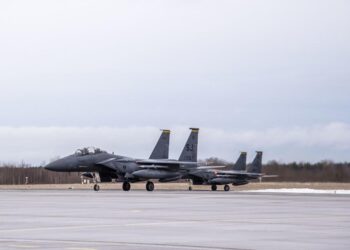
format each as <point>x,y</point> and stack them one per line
<point>214,187</point>
<point>189,188</point>
<point>149,186</point>
<point>96,187</point>
<point>227,188</point>
<point>126,186</point>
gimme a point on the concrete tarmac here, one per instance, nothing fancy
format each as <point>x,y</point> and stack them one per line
<point>87,220</point>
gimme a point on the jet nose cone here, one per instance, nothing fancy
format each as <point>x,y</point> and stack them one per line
<point>60,165</point>
<point>53,166</point>
<point>66,164</point>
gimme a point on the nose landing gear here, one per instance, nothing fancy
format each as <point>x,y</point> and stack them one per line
<point>190,182</point>
<point>96,179</point>
<point>214,187</point>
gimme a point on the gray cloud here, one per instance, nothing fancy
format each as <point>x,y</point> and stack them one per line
<point>38,144</point>
<point>262,69</point>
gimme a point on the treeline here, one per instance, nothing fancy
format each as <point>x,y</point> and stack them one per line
<point>325,171</point>
<point>305,172</point>
<point>12,175</point>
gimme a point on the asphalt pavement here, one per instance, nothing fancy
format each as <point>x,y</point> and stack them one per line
<point>113,219</point>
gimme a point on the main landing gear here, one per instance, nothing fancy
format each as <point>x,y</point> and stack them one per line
<point>126,186</point>
<point>96,187</point>
<point>149,186</point>
<point>214,187</point>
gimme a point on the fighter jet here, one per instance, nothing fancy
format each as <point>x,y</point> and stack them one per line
<point>103,166</point>
<point>98,164</point>
<point>237,176</point>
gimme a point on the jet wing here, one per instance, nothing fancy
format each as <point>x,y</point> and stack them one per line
<point>236,173</point>
<point>165,162</point>
<point>153,167</point>
<point>233,173</point>
<point>210,167</point>
<point>204,169</point>
<point>230,172</point>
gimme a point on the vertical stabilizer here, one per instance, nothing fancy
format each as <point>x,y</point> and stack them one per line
<point>189,153</point>
<point>241,162</point>
<point>256,165</point>
<point>161,150</point>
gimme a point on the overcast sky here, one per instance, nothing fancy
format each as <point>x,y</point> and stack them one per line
<point>267,75</point>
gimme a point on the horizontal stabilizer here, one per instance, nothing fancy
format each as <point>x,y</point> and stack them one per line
<point>270,176</point>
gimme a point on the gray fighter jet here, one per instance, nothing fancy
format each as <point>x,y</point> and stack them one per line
<point>103,166</point>
<point>237,176</point>
<point>98,164</point>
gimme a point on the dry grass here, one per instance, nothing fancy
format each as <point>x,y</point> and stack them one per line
<point>182,186</point>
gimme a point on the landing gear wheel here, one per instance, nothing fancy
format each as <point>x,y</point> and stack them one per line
<point>96,187</point>
<point>126,186</point>
<point>214,187</point>
<point>189,188</point>
<point>227,188</point>
<point>149,186</point>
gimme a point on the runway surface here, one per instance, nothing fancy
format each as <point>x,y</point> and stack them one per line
<point>86,220</point>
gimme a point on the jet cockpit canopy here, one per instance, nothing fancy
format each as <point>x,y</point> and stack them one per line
<point>88,151</point>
